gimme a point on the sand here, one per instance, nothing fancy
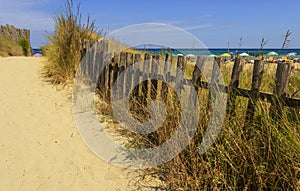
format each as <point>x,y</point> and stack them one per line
<point>40,147</point>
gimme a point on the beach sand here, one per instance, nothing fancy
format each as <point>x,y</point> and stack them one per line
<point>40,147</point>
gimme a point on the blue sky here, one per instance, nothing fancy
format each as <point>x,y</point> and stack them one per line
<point>213,22</point>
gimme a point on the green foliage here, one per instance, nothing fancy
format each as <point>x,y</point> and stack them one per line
<point>64,52</point>
<point>24,43</point>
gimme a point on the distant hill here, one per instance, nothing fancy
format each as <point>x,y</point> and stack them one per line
<point>14,41</point>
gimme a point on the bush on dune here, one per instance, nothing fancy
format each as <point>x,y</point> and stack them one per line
<point>65,49</point>
<point>10,48</point>
<point>25,44</point>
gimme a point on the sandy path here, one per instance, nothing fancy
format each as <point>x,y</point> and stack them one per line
<point>40,148</point>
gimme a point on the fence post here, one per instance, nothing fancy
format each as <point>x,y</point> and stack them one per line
<point>129,73</point>
<point>121,86</point>
<point>234,84</point>
<point>213,86</point>
<point>145,83</point>
<point>110,76</point>
<point>100,65</point>
<point>106,71</point>
<point>198,71</point>
<point>154,74</point>
<point>115,71</point>
<point>258,71</point>
<point>281,83</point>
<point>166,74</point>
<point>180,66</point>
<point>137,63</point>
<point>197,75</point>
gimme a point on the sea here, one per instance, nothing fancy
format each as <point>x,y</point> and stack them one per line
<point>215,51</point>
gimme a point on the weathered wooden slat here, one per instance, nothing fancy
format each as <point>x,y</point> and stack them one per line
<point>258,71</point>
<point>282,77</point>
<point>166,73</point>
<point>137,63</point>
<point>116,71</point>
<point>100,64</point>
<point>215,78</point>
<point>121,78</point>
<point>179,78</point>
<point>145,82</point>
<point>129,73</point>
<point>168,62</point>
<point>234,84</point>
<point>106,70</point>
<point>196,77</point>
<point>153,76</point>
<point>198,70</point>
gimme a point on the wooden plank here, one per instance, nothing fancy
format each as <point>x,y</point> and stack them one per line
<point>215,77</point>
<point>129,73</point>
<point>214,89</point>
<point>234,84</point>
<point>166,75</point>
<point>106,71</point>
<point>258,71</point>
<point>168,63</point>
<point>110,77</point>
<point>198,70</point>
<point>100,65</point>
<point>121,78</point>
<point>282,77</point>
<point>145,82</point>
<point>196,77</point>
<point>116,71</point>
<point>180,66</point>
<point>136,80</point>
<point>154,74</point>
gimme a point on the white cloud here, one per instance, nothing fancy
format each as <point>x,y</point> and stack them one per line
<point>25,14</point>
<point>202,26</point>
<point>156,34</point>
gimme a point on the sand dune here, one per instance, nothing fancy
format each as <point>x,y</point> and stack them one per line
<point>40,148</point>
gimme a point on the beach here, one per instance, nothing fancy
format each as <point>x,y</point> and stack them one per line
<point>40,147</point>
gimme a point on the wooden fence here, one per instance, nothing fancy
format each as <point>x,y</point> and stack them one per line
<point>150,88</point>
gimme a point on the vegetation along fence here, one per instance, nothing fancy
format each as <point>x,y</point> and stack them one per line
<point>148,88</point>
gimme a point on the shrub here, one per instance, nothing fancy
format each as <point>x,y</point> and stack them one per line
<point>24,43</point>
<point>10,48</point>
<point>64,52</point>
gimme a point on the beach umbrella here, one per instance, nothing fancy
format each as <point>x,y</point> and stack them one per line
<point>212,55</point>
<point>272,54</point>
<point>292,54</point>
<point>244,54</point>
<point>225,55</point>
<point>190,56</point>
<point>37,55</point>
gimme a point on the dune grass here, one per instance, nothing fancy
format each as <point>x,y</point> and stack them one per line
<point>10,48</point>
<point>64,52</point>
<point>261,155</point>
